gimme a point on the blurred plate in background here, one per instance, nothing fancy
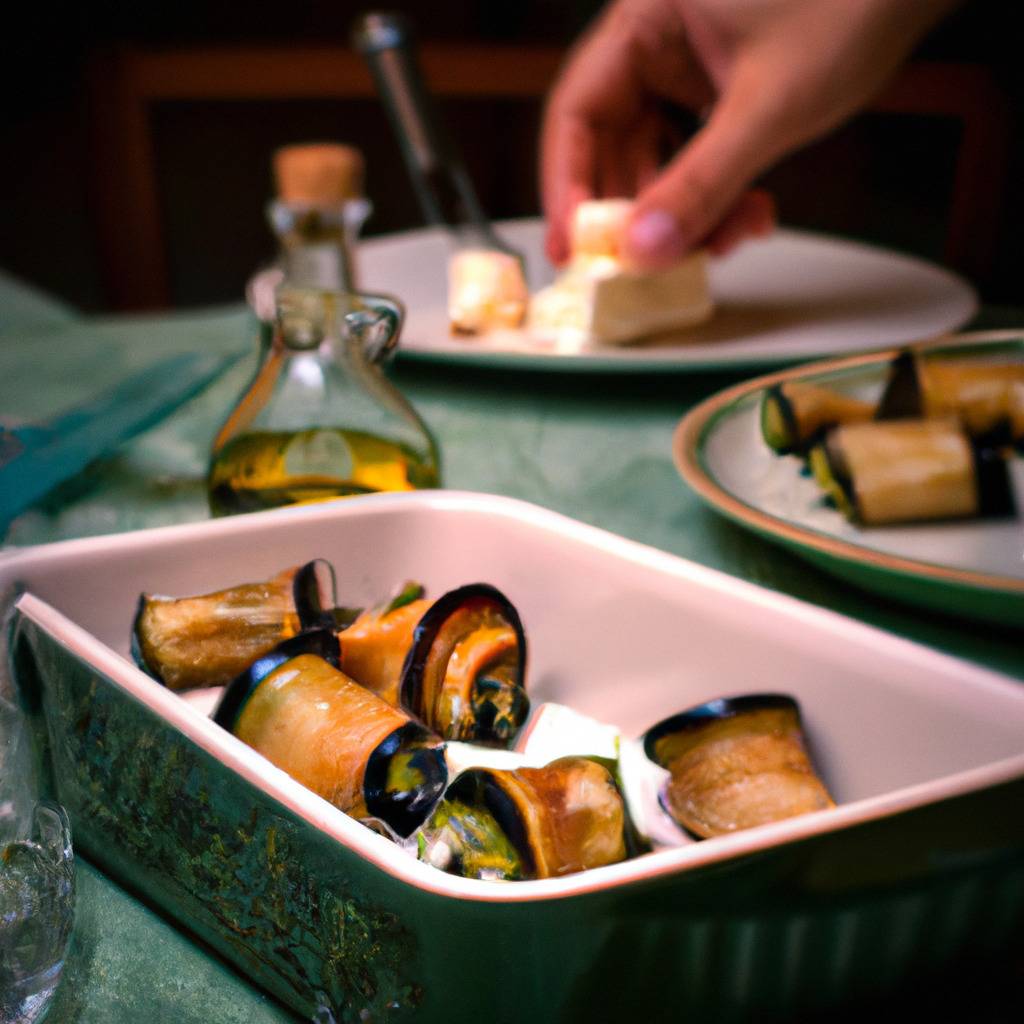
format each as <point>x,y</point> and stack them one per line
<point>792,297</point>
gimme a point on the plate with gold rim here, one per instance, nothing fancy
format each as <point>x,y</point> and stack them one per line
<point>972,568</point>
<point>786,299</point>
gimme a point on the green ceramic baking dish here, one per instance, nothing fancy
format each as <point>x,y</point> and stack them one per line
<point>921,863</point>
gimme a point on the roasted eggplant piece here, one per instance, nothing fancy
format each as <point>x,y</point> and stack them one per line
<point>338,739</point>
<point>375,646</point>
<point>735,763</point>
<point>986,398</point>
<point>321,642</point>
<point>795,415</point>
<point>529,823</point>
<point>463,675</point>
<point>911,470</point>
<point>208,640</point>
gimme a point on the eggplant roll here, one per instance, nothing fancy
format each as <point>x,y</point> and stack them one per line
<point>374,647</point>
<point>208,640</point>
<point>988,399</point>
<point>529,823</point>
<point>911,470</point>
<point>794,415</point>
<point>365,756</point>
<point>464,673</point>
<point>735,763</point>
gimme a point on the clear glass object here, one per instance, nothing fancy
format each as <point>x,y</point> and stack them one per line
<point>320,419</point>
<point>316,244</point>
<point>37,881</point>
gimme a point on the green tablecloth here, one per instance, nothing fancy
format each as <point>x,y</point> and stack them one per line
<point>593,447</point>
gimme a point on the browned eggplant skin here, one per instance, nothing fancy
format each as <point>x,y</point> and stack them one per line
<point>430,700</point>
<point>189,642</point>
<point>565,817</point>
<point>736,763</point>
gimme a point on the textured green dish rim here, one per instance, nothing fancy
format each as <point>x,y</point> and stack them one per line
<point>979,595</point>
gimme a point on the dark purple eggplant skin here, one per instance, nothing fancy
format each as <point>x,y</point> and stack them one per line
<point>713,710</point>
<point>411,683</point>
<point>321,642</point>
<point>992,479</point>
<point>136,648</point>
<point>776,394</point>
<point>306,595</point>
<point>405,810</point>
<point>478,786</point>
<point>901,398</point>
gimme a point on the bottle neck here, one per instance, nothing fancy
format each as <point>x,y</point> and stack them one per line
<point>317,242</point>
<point>324,265</point>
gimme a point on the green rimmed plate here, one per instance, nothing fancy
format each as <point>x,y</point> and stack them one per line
<point>969,568</point>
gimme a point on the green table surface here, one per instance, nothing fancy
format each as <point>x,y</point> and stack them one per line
<point>595,447</point>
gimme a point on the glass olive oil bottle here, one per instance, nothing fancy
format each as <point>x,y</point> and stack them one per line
<point>320,420</point>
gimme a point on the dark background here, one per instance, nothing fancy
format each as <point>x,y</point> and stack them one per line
<point>882,178</point>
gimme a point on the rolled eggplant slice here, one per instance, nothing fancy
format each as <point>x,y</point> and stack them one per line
<point>794,415</point>
<point>735,763</point>
<point>365,756</point>
<point>911,470</point>
<point>529,823</point>
<point>986,398</point>
<point>210,639</point>
<point>464,673</point>
<point>322,643</point>
<point>374,647</point>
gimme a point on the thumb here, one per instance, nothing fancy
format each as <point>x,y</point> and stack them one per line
<point>703,183</point>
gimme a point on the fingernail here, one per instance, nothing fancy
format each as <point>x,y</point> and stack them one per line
<point>654,239</point>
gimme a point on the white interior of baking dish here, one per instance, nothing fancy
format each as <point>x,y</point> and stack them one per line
<point>616,630</point>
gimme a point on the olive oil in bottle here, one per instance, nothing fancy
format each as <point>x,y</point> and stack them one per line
<point>266,469</point>
<point>320,419</point>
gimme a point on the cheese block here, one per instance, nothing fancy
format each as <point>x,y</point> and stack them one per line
<point>600,299</point>
<point>486,289</point>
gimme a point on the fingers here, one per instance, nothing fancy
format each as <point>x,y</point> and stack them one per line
<point>595,106</point>
<point>568,157</point>
<point>752,217</point>
<point>597,162</point>
<point>700,190</point>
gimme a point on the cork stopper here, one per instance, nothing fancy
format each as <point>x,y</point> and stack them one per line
<point>323,174</point>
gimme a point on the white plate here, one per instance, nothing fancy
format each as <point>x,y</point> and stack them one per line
<point>792,297</point>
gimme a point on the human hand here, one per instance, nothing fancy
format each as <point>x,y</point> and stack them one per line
<point>770,75</point>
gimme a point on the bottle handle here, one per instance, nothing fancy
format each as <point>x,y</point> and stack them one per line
<point>377,323</point>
